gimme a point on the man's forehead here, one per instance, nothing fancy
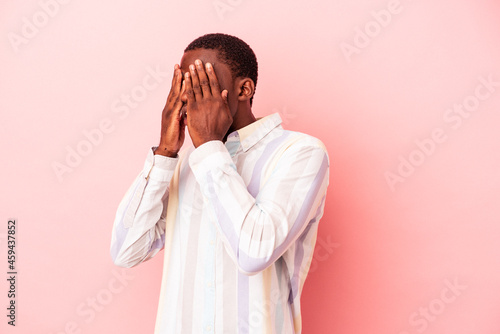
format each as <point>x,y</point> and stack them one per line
<point>205,55</point>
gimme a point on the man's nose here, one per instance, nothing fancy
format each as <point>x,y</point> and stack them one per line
<point>184,97</point>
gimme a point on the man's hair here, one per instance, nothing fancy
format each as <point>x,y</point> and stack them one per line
<point>232,51</point>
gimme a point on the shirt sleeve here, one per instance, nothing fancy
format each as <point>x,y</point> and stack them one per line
<point>139,228</point>
<point>257,230</point>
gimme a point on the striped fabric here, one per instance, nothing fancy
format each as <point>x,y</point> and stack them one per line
<point>244,219</point>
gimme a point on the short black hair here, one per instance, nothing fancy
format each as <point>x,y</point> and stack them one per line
<point>232,51</point>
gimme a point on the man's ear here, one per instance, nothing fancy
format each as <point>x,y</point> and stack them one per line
<point>245,89</point>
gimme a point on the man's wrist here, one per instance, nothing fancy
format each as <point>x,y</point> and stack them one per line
<point>208,155</point>
<point>206,140</point>
<point>165,152</point>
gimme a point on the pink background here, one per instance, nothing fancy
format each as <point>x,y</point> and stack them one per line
<point>387,253</point>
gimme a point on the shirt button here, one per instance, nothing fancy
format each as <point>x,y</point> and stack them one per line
<point>209,328</point>
<point>212,242</point>
<point>209,284</point>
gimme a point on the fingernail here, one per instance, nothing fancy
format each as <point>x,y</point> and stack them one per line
<point>209,66</point>
<point>197,62</point>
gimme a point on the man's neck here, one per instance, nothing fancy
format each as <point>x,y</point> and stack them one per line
<point>240,120</point>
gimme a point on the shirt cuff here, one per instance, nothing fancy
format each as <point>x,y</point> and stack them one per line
<point>211,155</point>
<point>159,167</point>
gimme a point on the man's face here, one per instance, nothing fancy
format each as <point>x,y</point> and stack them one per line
<point>222,71</point>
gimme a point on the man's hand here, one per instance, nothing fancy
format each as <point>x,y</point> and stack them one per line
<point>172,123</point>
<point>208,114</point>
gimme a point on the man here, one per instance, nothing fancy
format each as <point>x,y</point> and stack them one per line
<point>237,214</point>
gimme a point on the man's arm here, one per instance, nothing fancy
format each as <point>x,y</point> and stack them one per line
<point>257,227</point>
<point>139,227</point>
<point>257,230</point>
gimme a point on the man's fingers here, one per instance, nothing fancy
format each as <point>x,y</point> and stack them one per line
<point>204,83</point>
<point>174,76</point>
<point>175,107</point>
<point>214,82</point>
<point>195,82</point>
<point>188,88</point>
<point>176,83</point>
<point>183,87</point>
<point>178,102</point>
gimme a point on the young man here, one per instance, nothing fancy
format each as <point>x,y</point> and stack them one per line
<point>237,214</point>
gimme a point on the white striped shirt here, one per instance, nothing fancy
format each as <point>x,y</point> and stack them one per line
<point>244,231</point>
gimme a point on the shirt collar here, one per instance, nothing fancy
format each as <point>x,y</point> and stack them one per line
<point>251,134</point>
